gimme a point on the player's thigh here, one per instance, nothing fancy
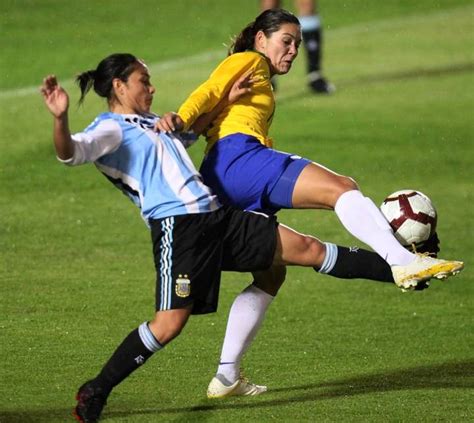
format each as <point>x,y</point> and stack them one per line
<point>250,241</point>
<point>188,256</point>
<point>320,187</point>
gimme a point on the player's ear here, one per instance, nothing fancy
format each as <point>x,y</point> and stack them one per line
<point>260,41</point>
<point>117,85</point>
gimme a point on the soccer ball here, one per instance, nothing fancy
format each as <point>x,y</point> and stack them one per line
<point>411,215</point>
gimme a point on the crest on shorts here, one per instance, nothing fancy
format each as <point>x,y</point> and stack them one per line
<point>183,286</point>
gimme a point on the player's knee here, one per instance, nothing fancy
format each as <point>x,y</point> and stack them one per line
<point>346,183</point>
<point>312,251</point>
<point>339,185</point>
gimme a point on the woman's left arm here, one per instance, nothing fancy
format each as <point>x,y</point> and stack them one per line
<point>240,87</point>
<point>206,97</point>
<point>171,121</point>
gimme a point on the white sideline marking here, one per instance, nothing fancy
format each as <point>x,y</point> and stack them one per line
<point>363,27</point>
<point>154,67</point>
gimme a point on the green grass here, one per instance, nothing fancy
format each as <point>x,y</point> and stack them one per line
<point>76,271</point>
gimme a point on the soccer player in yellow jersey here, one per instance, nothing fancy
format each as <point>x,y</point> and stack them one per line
<point>251,115</point>
<point>245,171</point>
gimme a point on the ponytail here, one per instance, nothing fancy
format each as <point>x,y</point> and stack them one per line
<point>244,41</point>
<point>85,80</point>
<point>119,65</point>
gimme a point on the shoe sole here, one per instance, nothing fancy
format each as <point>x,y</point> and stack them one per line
<point>217,396</point>
<point>444,272</point>
<point>74,412</point>
<point>77,417</point>
<point>233,393</point>
<point>210,396</point>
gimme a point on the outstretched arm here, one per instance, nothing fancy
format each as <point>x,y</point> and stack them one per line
<point>57,102</point>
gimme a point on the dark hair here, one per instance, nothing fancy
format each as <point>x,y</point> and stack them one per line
<point>268,21</point>
<point>119,65</point>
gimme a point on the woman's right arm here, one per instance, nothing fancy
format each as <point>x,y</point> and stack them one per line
<point>57,102</point>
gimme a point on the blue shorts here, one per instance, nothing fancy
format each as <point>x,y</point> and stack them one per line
<point>247,175</point>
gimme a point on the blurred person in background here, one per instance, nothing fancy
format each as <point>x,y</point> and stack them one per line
<point>311,28</point>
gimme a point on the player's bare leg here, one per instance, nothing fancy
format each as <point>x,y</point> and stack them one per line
<point>319,187</point>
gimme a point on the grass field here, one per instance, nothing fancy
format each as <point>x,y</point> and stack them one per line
<point>76,272</point>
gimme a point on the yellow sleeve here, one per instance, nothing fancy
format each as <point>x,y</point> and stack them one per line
<point>207,95</point>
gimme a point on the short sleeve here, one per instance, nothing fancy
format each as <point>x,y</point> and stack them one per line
<point>96,141</point>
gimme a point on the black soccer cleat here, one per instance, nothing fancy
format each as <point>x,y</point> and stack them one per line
<point>321,86</point>
<point>90,402</point>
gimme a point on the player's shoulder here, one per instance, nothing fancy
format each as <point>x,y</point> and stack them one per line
<point>247,56</point>
<point>106,127</point>
<point>105,120</point>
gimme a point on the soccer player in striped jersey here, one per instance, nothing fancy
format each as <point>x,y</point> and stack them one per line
<point>244,170</point>
<point>194,237</point>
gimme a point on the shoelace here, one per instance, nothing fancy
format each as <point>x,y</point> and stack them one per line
<point>425,254</point>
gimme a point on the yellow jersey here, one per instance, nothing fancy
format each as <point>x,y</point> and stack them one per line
<point>251,114</point>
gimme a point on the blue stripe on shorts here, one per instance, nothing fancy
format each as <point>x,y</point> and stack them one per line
<point>247,175</point>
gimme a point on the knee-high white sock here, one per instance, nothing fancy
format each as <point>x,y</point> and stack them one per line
<point>362,218</point>
<point>245,318</point>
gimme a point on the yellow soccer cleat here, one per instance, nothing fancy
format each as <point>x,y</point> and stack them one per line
<point>424,268</point>
<point>217,389</point>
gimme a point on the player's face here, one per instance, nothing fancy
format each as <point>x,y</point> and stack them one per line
<point>281,48</point>
<point>136,95</point>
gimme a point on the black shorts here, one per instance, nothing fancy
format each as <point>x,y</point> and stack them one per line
<point>190,252</point>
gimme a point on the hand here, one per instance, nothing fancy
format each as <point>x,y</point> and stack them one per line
<point>169,122</point>
<point>241,87</point>
<point>55,97</point>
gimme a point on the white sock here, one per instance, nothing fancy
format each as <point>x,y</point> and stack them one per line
<point>362,218</point>
<point>245,318</point>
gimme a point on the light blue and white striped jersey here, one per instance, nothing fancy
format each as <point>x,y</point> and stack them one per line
<point>153,170</point>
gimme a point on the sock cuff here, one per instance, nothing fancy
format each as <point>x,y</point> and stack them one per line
<point>347,198</point>
<point>259,292</point>
<point>309,23</point>
<point>330,258</point>
<point>148,339</point>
